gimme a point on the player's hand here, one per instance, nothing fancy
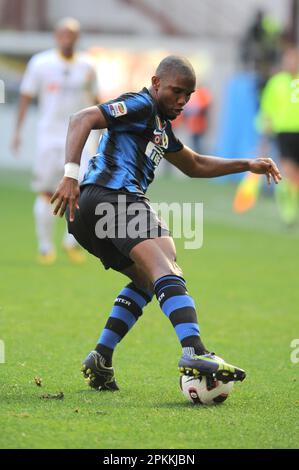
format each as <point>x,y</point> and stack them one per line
<point>67,194</point>
<point>265,166</point>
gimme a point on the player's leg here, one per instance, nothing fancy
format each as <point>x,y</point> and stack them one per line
<point>129,304</point>
<point>44,227</point>
<point>157,257</point>
<point>42,210</point>
<point>72,249</point>
<point>287,193</point>
<point>127,309</point>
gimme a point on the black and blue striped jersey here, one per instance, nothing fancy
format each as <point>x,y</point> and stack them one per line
<point>135,141</point>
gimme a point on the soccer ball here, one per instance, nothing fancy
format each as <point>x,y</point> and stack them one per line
<point>204,391</point>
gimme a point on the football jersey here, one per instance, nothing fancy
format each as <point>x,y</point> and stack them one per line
<point>135,141</point>
<point>280,103</point>
<point>61,86</point>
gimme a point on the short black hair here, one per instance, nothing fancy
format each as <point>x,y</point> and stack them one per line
<point>174,64</point>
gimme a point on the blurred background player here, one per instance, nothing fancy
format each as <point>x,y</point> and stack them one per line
<point>260,47</point>
<point>195,116</point>
<point>260,56</point>
<point>280,118</point>
<point>63,81</point>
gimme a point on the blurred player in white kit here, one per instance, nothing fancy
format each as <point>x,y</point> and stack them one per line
<point>63,81</point>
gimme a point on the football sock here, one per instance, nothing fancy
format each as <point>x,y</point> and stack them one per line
<point>247,192</point>
<point>126,310</point>
<point>69,240</point>
<point>179,307</point>
<point>188,351</point>
<point>287,201</point>
<point>44,224</point>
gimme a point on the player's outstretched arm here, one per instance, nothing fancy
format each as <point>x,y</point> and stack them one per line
<point>80,125</point>
<point>23,105</point>
<point>203,166</point>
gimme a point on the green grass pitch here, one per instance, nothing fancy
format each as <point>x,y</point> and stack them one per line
<point>245,284</point>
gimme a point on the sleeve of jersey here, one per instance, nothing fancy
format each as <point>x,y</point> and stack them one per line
<point>174,144</point>
<point>30,81</point>
<point>128,112</point>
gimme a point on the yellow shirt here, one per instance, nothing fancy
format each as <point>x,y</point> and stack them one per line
<point>280,103</point>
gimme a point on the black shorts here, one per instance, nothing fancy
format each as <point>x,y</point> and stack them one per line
<point>288,144</point>
<point>111,222</point>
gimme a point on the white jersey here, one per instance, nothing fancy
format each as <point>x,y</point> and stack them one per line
<point>62,87</point>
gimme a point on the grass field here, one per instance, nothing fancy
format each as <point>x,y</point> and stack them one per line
<point>245,283</point>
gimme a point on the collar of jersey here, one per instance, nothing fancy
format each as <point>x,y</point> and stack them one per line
<point>161,115</point>
<point>66,59</point>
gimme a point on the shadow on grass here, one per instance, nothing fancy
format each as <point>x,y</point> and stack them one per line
<point>129,402</point>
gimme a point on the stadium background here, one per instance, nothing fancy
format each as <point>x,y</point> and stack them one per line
<point>244,277</point>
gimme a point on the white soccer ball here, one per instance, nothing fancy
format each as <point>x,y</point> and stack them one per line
<point>201,391</point>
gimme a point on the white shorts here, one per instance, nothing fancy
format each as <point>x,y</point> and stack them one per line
<point>48,168</point>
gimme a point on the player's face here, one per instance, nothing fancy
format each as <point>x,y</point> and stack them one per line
<point>291,61</point>
<point>66,39</point>
<point>172,93</point>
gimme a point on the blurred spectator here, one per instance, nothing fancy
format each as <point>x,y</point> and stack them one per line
<point>63,82</point>
<point>195,116</point>
<point>280,117</point>
<point>261,46</point>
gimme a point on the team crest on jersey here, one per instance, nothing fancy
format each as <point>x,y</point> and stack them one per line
<point>160,137</point>
<point>118,109</point>
<point>156,148</point>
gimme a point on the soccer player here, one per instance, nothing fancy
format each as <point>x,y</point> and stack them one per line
<point>195,116</point>
<point>279,121</point>
<point>138,135</point>
<point>280,118</point>
<point>64,81</point>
